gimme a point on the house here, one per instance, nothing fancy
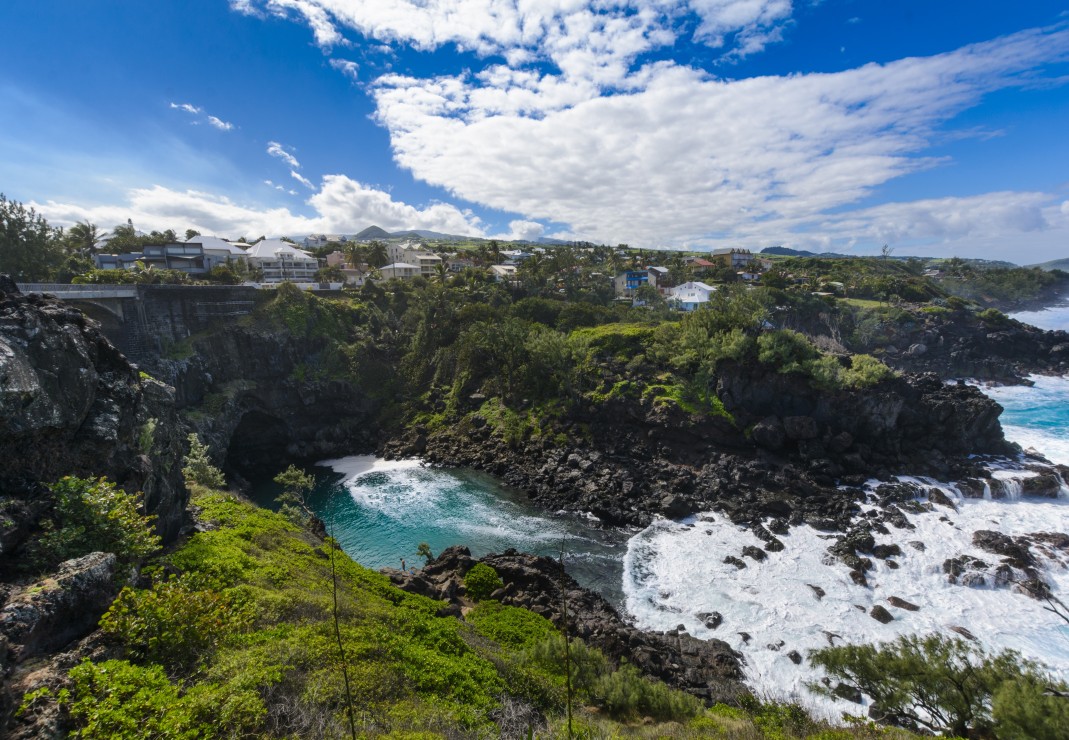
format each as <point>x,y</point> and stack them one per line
<point>658,277</point>
<point>459,264</point>
<point>280,261</point>
<point>219,251</point>
<point>399,271</point>
<point>736,259</point>
<point>689,296</point>
<point>628,281</point>
<point>185,257</point>
<point>700,266</point>
<point>513,256</point>
<point>116,261</point>
<point>410,253</point>
<point>503,273</point>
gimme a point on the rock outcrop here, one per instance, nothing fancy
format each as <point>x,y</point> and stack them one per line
<point>70,404</point>
<point>709,669</point>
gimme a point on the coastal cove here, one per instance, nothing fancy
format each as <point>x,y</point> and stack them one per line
<point>673,573</point>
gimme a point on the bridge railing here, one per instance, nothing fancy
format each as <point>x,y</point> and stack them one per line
<point>73,291</point>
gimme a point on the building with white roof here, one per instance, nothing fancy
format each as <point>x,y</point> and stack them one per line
<point>689,296</point>
<point>281,261</point>
<point>218,251</point>
<point>399,271</point>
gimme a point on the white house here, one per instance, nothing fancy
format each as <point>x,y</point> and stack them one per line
<point>399,271</point>
<point>410,253</point>
<point>689,296</point>
<point>503,273</point>
<point>281,261</point>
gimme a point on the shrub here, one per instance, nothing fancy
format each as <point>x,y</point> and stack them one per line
<point>173,623</point>
<point>509,625</point>
<point>993,317</point>
<point>627,694</point>
<point>866,371</point>
<point>786,350</point>
<point>198,466</point>
<point>481,581</point>
<point>92,515</point>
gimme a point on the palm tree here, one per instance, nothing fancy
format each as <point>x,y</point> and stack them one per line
<point>377,256</point>
<point>82,237</point>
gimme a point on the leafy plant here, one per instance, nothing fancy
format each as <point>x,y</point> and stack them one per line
<point>481,581</point>
<point>295,485</point>
<point>92,515</point>
<point>198,466</point>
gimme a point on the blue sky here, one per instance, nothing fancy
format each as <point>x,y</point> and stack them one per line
<point>936,128</point>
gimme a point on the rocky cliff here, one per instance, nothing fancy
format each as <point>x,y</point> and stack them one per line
<point>785,453</point>
<point>70,404</point>
<point>253,396</point>
<point>709,669</point>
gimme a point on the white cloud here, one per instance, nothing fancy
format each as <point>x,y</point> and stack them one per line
<point>281,152</point>
<point>302,179</point>
<point>220,124</point>
<point>596,37</point>
<point>682,157</point>
<point>194,110</point>
<point>348,68</point>
<point>187,107</point>
<point>520,230</point>
<point>341,205</point>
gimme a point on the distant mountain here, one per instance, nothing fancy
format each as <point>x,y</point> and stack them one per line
<point>788,252</point>
<point>372,232</point>
<point>1062,264</point>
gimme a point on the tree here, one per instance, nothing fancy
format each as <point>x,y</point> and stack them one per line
<point>947,686</point>
<point>295,485</point>
<point>29,248</point>
<point>190,233</point>
<point>198,466</point>
<point>377,256</point>
<point>424,551</point>
<point>82,237</point>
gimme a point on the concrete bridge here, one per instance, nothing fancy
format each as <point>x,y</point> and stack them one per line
<point>150,320</point>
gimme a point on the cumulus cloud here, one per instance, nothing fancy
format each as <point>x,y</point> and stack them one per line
<point>682,157</point>
<point>341,205</point>
<point>580,37</point>
<point>282,152</point>
<point>520,230</point>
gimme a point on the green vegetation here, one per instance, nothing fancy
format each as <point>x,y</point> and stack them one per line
<point>198,466</point>
<point>235,638</point>
<point>949,686</point>
<point>481,581</point>
<point>90,516</point>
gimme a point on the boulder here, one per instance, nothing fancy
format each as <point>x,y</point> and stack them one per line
<point>902,604</point>
<point>800,428</point>
<point>768,433</point>
<point>880,614</point>
<point>61,608</point>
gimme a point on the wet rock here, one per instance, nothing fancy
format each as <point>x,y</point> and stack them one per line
<point>754,552</point>
<point>859,578</point>
<point>918,545</point>
<point>847,692</point>
<point>880,614</point>
<point>795,657</point>
<point>817,591</point>
<point>711,620</point>
<point>745,637</point>
<point>957,568</point>
<point>732,560</point>
<point>886,551</point>
<point>936,496</point>
<point>902,604</point>
<point>1045,485</point>
<point>775,646</point>
<point>963,632</point>
<point>1014,550</point>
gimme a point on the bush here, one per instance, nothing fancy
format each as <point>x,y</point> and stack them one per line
<point>509,625</point>
<point>173,623</point>
<point>786,350</point>
<point>199,468</point>
<point>90,516</point>
<point>481,581</point>
<point>866,371</point>
<point>627,694</point>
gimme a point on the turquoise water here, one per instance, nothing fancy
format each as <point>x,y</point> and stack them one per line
<point>381,510</point>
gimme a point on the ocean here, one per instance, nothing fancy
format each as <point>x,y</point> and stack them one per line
<point>795,600</point>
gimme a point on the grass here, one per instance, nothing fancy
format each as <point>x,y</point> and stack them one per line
<point>863,302</point>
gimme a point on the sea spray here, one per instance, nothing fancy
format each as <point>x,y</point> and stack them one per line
<point>803,599</point>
